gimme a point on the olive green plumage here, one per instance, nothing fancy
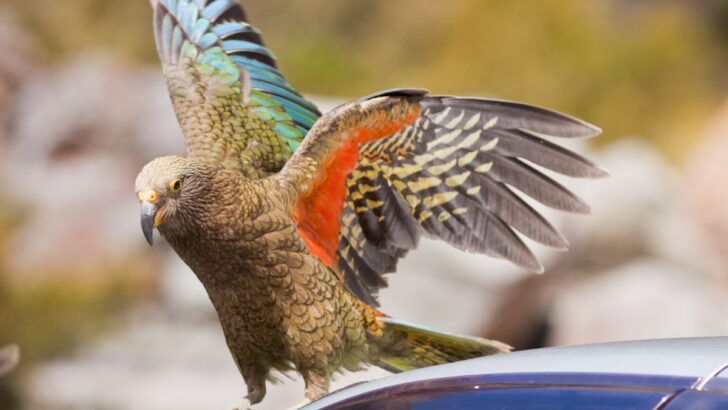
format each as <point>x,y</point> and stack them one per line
<point>291,237</point>
<point>279,306</point>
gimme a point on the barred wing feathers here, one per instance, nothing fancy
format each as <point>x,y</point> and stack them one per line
<point>376,174</point>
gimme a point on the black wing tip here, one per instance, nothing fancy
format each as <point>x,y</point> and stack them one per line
<point>599,172</point>
<point>370,295</point>
<point>596,130</point>
<point>529,261</point>
<point>370,298</point>
<point>360,290</point>
<point>559,242</point>
<point>396,92</point>
<point>580,207</point>
<point>581,128</point>
<point>589,170</point>
<point>590,130</point>
<point>586,129</point>
<point>534,265</point>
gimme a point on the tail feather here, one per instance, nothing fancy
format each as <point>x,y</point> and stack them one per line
<point>406,346</point>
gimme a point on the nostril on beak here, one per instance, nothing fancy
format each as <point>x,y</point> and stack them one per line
<point>150,196</point>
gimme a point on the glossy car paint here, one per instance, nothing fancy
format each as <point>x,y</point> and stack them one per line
<point>625,375</point>
<point>525,391</point>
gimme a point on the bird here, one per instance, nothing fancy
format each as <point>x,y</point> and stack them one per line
<point>291,218</point>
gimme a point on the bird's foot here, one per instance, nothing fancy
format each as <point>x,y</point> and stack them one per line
<point>242,404</point>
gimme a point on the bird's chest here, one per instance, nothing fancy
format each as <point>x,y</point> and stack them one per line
<point>267,290</point>
<point>247,270</point>
<point>249,315</point>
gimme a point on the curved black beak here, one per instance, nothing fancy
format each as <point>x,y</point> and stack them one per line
<point>149,213</point>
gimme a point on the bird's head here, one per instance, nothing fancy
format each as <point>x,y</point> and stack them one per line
<point>162,187</point>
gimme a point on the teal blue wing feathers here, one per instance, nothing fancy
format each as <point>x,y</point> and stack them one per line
<point>216,61</point>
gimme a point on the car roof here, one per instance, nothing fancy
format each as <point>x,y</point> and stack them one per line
<point>700,358</point>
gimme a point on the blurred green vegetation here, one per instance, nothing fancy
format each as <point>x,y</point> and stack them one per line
<point>652,69</point>
<point>53,315</point>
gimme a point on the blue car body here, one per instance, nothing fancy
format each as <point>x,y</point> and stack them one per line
<point>657,374</point>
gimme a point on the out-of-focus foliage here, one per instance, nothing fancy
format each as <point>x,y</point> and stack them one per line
<point>654,69</point>
<point>63,28</point>
<point>651,69</point>
<point>52,316</point>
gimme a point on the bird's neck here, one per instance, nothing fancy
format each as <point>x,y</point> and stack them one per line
<point>206,231</point>
<point>198,210</point>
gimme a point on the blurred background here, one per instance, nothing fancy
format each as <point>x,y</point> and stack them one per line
<point>105,322</point>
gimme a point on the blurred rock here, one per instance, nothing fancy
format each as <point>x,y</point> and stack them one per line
<point>639,221</point>
<point>167,364</point>
<point>705,190</point>
<point>9,358</point>
<point>523,325</point>
<point>644,299</point>
<point>17,65</point>
<point>19,60</point>
<point>80,136</point>
<point>182,293</point>
<point>638,210</point>
<point>448,289</point>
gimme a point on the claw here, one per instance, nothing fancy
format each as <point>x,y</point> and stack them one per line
<point>243,404</point>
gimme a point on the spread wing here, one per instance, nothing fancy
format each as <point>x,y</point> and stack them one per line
<point>233,104</point>
<point>376,174</point>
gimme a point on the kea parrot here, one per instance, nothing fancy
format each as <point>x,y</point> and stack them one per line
<point>290,218</point>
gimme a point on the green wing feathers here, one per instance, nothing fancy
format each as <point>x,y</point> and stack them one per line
<point>405,346</point>
<point>233,104</point>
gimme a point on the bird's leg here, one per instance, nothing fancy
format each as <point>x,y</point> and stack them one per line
<point>255,395</point>
<point>243,404</point>
<point>317,384</point>
<point>255,380</point>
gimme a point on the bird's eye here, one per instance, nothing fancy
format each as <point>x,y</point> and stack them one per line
<point>175,185</point>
